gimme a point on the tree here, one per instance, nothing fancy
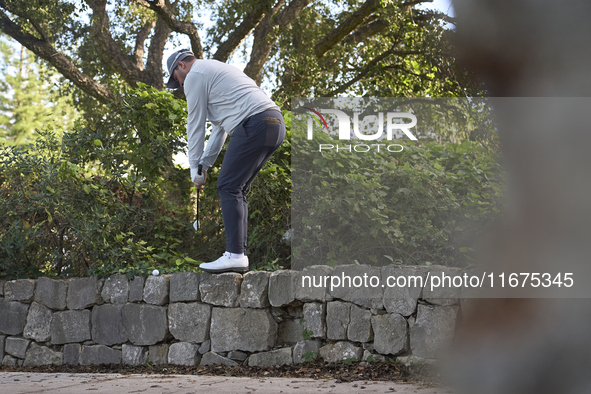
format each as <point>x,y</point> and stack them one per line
<point>29,100</point>
<point>375,47</point>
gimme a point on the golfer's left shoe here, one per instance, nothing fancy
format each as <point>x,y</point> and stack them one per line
<point>226,264</point>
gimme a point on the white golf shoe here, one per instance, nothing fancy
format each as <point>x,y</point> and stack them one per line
<point>226,264</point>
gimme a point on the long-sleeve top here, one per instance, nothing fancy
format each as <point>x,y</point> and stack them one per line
<point>225,96</point>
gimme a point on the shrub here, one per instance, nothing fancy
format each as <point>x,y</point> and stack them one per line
<point>107,198</point>
<point>424,205</point>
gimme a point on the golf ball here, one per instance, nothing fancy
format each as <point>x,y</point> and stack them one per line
<point>155,272</point>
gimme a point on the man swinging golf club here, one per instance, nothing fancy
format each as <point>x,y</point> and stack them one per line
<point>235,106</point>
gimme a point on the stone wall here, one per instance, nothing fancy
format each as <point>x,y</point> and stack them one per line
<point>257,319</point>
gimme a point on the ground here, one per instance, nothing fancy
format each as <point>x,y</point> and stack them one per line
<point>422,375</point>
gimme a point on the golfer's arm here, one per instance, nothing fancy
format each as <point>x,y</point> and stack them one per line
<point>196,117</point>
<point>214,147</point>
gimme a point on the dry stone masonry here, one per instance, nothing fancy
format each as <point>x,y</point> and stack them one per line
<point>256,319</point>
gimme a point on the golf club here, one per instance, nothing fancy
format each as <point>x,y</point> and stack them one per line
<point>196,224</point>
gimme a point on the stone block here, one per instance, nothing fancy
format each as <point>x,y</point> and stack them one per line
<point>390,333</point>
<point>136,289</point>
<point>290,331</point>
<point>237,355</point>
<point>220,289</point>
<point>116,289</point>
<point>51,293</point>
<point>305,347</point>
<point>404,288</point>
<point>315,319</point>
<point>2,341</point>
<point>254,292</point>
<point>282,287</point>
<point>184,286</point>
<point>38,326</point>
<point>337,319</point>
<point>211,358</point>
<point>72,353</point>
<point>359,284</point>
<point>433,330</point>
<point>145,324</point>
<point>70,327</point>
<point>134,355</point>
<point>447,293</point>
<point>19,290</point>
<point>42,355</point>
<point>16,347</point>
<point>184,353</point>
<point>99,354</point>
<point>83,293</point>
<point>359,329</point>
<point>273,358</point>
<point>14,317</point>
<point>189,322</point>
<point>205,347</point>
<point>340,351</point>
<point>10,361</point>
<point>312,283</point>
<point>250,330</point>
<point>156,289</point>
<point>158,354</point>
<point>107,324</point>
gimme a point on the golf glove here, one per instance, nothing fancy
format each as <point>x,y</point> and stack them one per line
<point>196,178</point>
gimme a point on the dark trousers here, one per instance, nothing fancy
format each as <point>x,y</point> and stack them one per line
<point>251,145</point>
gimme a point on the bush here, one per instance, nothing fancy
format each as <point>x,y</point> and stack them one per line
<point>107,198</point>
<point>99,201</point>
<point>424,205</point>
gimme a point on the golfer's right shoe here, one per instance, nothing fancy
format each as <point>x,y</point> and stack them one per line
<point>226,264</point>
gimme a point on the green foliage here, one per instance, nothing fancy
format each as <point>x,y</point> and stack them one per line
<point>307,334</point>
<point>105,199</point>
<point>397,52</point>
<point>310,356</point>
<point>350,361</point>
<point>424,205</point>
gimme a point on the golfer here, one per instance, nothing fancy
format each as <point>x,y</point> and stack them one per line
<point>235,106</point>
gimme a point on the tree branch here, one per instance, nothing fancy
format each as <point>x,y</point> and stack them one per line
<point>140,40</point>
<point>111,53</point>
<point>264,39</point>
<point>165,10</point>
<point>45,50</point>
<point>412,3</point>
<point>155,53</point>
<point>23,15</point>
<point>350,24</point>
<point>366,31</point>
<point>249,22</point>
<point>369,67</point>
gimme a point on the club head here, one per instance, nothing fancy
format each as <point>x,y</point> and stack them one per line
<point>196,225</point>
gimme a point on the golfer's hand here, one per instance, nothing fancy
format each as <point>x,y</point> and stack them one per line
<point>198,180</point>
